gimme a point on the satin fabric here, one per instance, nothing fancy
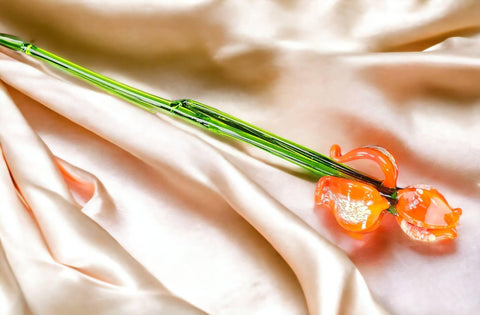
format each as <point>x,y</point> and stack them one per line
<point>109,209</point>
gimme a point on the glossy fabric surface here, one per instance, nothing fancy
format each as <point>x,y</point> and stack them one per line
<point>108,209</point>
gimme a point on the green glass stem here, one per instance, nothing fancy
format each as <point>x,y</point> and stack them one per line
<point>203,116</point>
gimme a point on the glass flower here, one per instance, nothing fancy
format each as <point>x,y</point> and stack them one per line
<point>420,210</point>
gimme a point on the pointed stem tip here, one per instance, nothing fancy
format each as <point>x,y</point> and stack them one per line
<point>11,41</point>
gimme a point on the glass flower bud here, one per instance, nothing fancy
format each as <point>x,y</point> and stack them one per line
<point>421,211</point>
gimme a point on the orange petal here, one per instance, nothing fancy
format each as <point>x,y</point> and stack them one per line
<point>358,207</point>
<point>381,156</point>
<point>424,234</point>
<point>424,206</point>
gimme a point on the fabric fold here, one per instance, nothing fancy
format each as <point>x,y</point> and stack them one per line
<point>105,208</point>
<point>12,300</point>
<point>300,246</point>
<point>71,243</point>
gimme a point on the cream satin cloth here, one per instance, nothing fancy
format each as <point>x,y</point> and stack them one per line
<point>107,209</point>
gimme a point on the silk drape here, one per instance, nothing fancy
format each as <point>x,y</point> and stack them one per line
<point>107,209</point>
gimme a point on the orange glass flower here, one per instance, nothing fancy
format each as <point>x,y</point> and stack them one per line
<point>421,211</point>
<point>424,214</point>
<point>358,207</point>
